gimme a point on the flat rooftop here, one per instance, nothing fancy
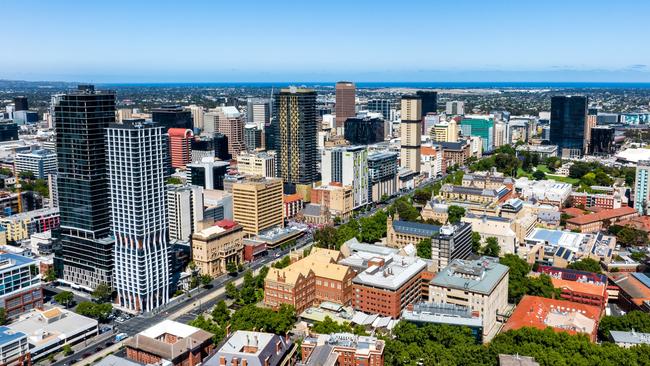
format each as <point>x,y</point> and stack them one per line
<point>393,274</point>
<point>480,276</point>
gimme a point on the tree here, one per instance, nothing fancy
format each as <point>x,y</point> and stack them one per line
<point>206,280</point>
<point>284,262</point>
<point>231,290</point>
<point>67,349</point>
<point>174,180</point>
<point>635,319</point>
<point>64,298</point>
<point>424,248</point>
<point>50,275</point>
<point>455,213</point>
<point>384,198</point>
<point>492,247</point>
<point>95,311</point>
<point>586,264</point>
<point>476,242</point>
<point>231,267</point>
<point>519,284</point>
<point>26,175</point>
<point>220,313</point>
<point>539,175</point>
<point>102,292</point>
<point>325,237</point>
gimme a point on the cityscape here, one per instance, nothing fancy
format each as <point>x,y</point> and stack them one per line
<point>242,213</point>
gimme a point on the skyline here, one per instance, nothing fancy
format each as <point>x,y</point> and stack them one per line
<point>363,41</point>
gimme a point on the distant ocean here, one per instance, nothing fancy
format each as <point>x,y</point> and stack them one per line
<point>440,85</point>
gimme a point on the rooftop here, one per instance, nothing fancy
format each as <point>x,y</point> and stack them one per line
<point>7,335</point>
<point>602,215</point>
<point>629,337</point>
<point>591,288</point>
<point>442,313</point>
<point>392,274</point>
<point>415,228</point>
<point>321,261</point>
<point>10,261</point>
<point>481,275</point>
<point>49,327</point>
<point>253,347</point>
<point>632,286</point>
<point>156,339</point>
<point>561,315</point>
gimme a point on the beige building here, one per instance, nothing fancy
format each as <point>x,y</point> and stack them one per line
<point>216,246</point>
<point>228,121</point>
<point>402,233</point>
<point>435,211</point>
<point>496,227</point>
<point>480,285</point>
<point>411,132</point>
<point>445,131</point>
<point>337,199</point>
<point>262,164</point>
<point>257,204</point>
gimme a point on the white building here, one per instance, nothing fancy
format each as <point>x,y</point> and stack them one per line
<point>197,115</point>
<point>543,191</point>
<point>263,164</point>
<point>139,214</point>
<point>41,163</point>
<point>642,187</point>
<point>14,347</point>
<point>348,166</point>
<point>185,210</point>
<point>258,112</point>
<point>455,107</point>
<point>494,227</point>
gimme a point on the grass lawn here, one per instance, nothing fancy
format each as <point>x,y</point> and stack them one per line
<point>522,173</point>
<point>560,178</point>
<point>543,168</point>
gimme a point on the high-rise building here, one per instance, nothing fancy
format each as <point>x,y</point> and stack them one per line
<point>262,164</point>
<point>568,123</point>
<point>139,214</point>
<point>124,113</point>
<point>383,106</point>
<point>20,104</point>
<point>213,146</point>
<point>642,187</point>
<point>592,121</point>
<point>172,116</point>
<point>252,137</point>
<point>81,118</point>
<point>429,104</point>
<point>180,147</point>
<point>41,163</point>
<point>185,210</point>
<point>445,131</point>
<point>258,112</point>
<point>602,140</point>
<point>455,108</point>
<point>382,175</point>
<point>229,122</point>
<point>197,115</point>
<point>348,166</point>
<point>481,126</point>
<point>345,102</point>
<point>208,173</point>
<point>296,139</point>
<point>364,131</point>
<point>8,130</point>
<point>411,132</point>
<point>257,204</point>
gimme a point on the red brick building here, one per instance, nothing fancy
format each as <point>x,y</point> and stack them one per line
<point>588,200</point>
<point>590,293</point>
<point>596,221</point>
<point>180,147</point>
<point>349,349</point>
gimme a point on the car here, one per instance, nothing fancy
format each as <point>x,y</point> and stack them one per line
<point>109,343</point>
<point>87,354</point>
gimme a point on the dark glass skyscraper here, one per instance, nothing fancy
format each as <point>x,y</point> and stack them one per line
<point>568,122</point>
<point>214,146</point>
<point>81,118</point>
<point>21,104</point>
<point>602,140</point>
<point>364,131</point>
<point>172,116</point>
<point>429,101</point>
<point>296,139</point>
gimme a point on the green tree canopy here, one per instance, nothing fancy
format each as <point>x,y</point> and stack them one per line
<point>455,213</point>
<point>102,292</point>
<point>424,248</point>
<point>586,264</point>
<point>491,247</point>
<point>64,298</point>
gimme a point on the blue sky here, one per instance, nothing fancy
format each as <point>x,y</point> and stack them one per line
<point>310,40</point>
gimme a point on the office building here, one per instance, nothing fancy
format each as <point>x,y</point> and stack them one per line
<point>642,187</point>
<point>445,131</point>
<point>257,204</point>
<point>423,313</point>
<point>479,126</point>
<point>561,315</point>
<point>209,173</point>
<point>217,247</point>
<point>262,164</point>
<point>14,348</point>
<point>180,147</point>
<point>252,137</point>
<point>411,133</point>
<point>455,108</point>
<point>8,130</point>
<point>258,112</point>
<point>383,106</point>
<point>81,118</point>
<point>342,349</point>
<point>20,103</point>
<point>172,116</point>
<point>197,116</point>
<point>184,210</point>
<point>275,237</point>
<point>345,102</point>
<point>40,163</point>
<point>139,214</point>
<point>228,121</point>
<point>349,167</point>
<point>245,348</point>
<point>382,175</point>
<point>480,285</point>
<point>389,285</point>
<point>364,131</point>
<point>311,280</point>
<point>429,101</point>
<point>569,124</point>
<point>296,139</point>
<point>450,242</point>
<point>21,226</point>
<point>20,289</point>
<point>213,146</point>
<point>602,140</point>
<point>170,343</point>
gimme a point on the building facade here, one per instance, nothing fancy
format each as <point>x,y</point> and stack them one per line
<point>263,164</point>
<point>382,175</point>
<point>347,166</point>
<point>569,123</point>
<point>345,102</point>
<point>364,131</point>
<point>180,147</point>
<point>139,214</point>
<point>411,133</point>
<point>257,204</point>
<point>218,246</point>
<point>184,210</point>
<point>20,289</point>
<point>642,187</point>
<point>41,163</point>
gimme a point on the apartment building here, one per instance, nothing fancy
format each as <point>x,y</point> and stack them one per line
<point>261,164</point>
<point>20,289</point>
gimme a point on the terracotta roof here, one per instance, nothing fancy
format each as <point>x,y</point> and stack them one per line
<point>226,224</point>
<point>561,315</point>
<point>169,351</point>
<point>573,211</point>
<point>292,197</point>
<point>427,150</point>
<point>635,289</point>
<point>322,262</point>
<point>591,288</point>
<point>601,216</point>
<point>639,223</point>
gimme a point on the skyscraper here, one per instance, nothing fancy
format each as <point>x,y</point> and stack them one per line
<point>180,147</point>
<point>228,121</point>
<point>642,187</point>
<point>429,104</point>
<point>348,166</point>
<point>296,139</point>
<point>411,132</point>
<point>345,102</point>
<point>364,131</point>
<point>258,112</point>
<point>139,214</point>
<point>81,117</point>
<point>20,104</point>
<point>602,140</point>
<point>568,123</point>
<point>252,137</point>
<point>383,106</point>
<point>197,116</point>
<point>455,107</point>
<point>172,116</point>
<point>257,204</point>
